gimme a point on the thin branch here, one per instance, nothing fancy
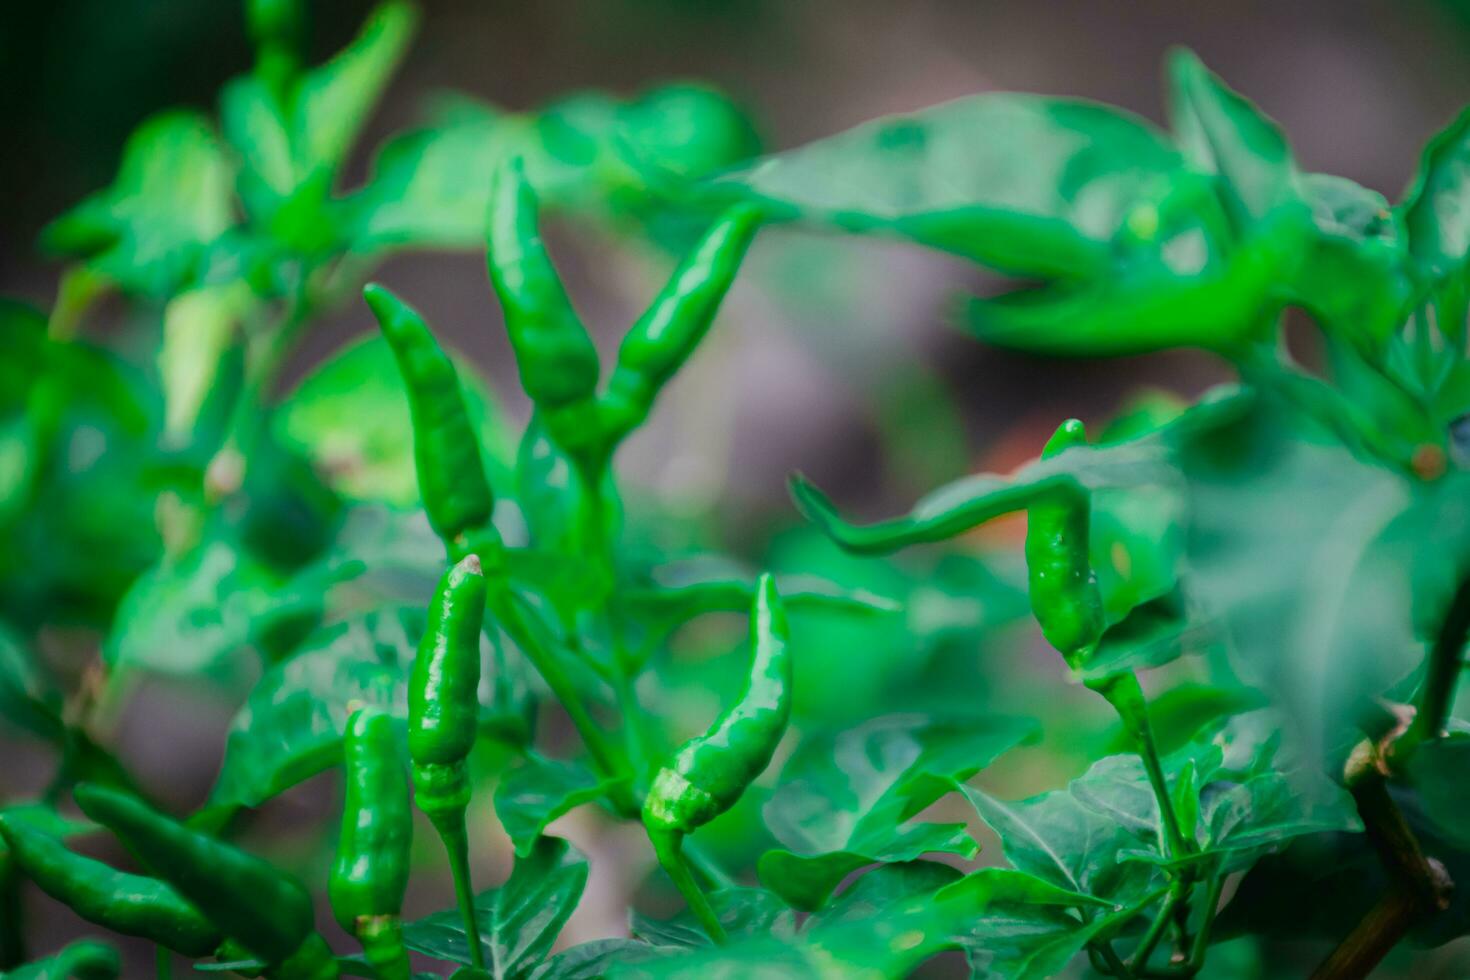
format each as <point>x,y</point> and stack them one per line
<point>1446,659</point>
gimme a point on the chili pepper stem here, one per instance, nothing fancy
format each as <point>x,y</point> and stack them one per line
<point>163,963</point>
<point>451,828</point>
<point>1126,696</point>
<point>1446,660</point>
<point>668,845</point>
<point>381,937</point>
<point>1150,941</point>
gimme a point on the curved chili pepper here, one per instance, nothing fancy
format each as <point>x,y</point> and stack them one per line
<point>443,719</point>
<point>266,910</point>
<point>667,334</point>
<point>556,358</point>
<point>446,448</point>
<point>1063,588</point>
<point>371,872</point>
<point>133,905</point>
<point>82,960</point>
<point>709,772</point>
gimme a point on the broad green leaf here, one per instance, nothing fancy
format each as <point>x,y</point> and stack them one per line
<point>349,416</point>
<point>539,791</point>
<point>1223,133</point>
<point>1151,635</point>
<point>1436,770</point>
<point>291,726</point>
<point>884,886</point>
<point>1057,839</point>
<point>518,922</point>
<point>1023,942</point>
<point>1030,185</point>
<point>430,187</point>
<point>335,99</point>
<point>848,802</point>
<point>1354,277</point>
<point>171,197</point>
<point>744,912</point>
<point>1436,208</point>
<point>189,615</point>
<point>592,960</point>
<point>198,327</point>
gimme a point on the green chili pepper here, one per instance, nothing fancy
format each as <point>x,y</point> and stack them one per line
<point>446,448</point>
<point>371,872</point>
<point>82,960</point>
<point>557,360</point>
<point>443,719</point>
<point>266,910</point>
<point>1063,589</point>
<point>667,334</point>
<point>709,772</point>
<point>133,905</point>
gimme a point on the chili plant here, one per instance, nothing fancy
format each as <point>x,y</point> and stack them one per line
<point>1267,587</point>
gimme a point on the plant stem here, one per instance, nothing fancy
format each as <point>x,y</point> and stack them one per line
<point>1420,887</point>
<point>1125,694</point>
<point>1156,928</point>
<point>503,607</point>
<point>1441,676</point>
<point>702,862</point>
<point>1115,965</point>
<point>163,963</point>
<point>451,827</point>
<point>668,845</point>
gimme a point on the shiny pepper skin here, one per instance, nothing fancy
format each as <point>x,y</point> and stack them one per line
<point>82,960</point>
<point>133,905</point>
<point>371,872</point>
<point>266,910</point>
<point>556,357</point>
<point>709,772</point>
<point>443,689</point>
<point>446,448</point>
<point>1063,589</point>
<point>673,326</point>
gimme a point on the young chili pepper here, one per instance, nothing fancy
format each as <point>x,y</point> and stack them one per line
<point>82,960</point>
<point>371,872</point>
<point>1063,589</point>
<point>443,719</point>
<point>667,334</point>
<point>266,910</point>
<point>556,358</point>
<point>709,772</point>
<point>133,905</point>
<point>446,448</point>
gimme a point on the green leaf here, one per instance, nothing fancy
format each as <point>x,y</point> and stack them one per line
<point>884,886</point>
<point>291,726</point>
<point>1021,942</point>
<point>1057,839</point>
<point>848,802</point>
<point>350,418</point>
<point>1436,208</point>
<point>334,101</point>
<point>1030,185</point>
<point>744,912</point>
<point>199,326</point>
<point>172,196</point>
<point>518,922</point>
<point>1156,633</point>
<point>1224,133</point>
<point>1355,277</point>
<point>188,615</point>
<point>592,960</point>
<point>539,791</point>
<point>430,187</point>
